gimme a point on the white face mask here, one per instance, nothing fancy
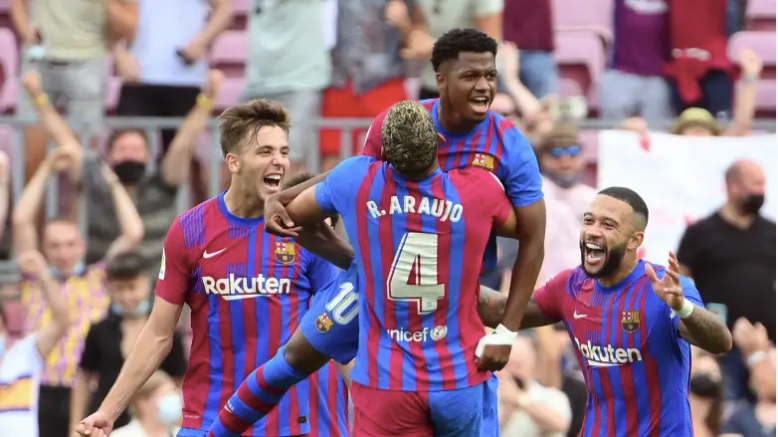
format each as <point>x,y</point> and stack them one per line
<point>169,409</point>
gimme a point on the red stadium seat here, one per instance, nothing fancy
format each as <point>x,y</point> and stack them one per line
<point>765,99</point>
<point>229,52</point>
<point>581,58</point>
<point>760,15</point>
<point>596,17</point>
<point>763,43</point>
<point>241,7</point>
<point>15,313</point>
<point>230,93</point>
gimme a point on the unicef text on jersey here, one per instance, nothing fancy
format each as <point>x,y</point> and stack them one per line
<point>441,209</point>
<point>401,335</point>
<point>608,356</point>
<point>237,287</point>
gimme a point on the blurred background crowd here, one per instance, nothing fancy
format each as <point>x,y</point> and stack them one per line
<point>107,133</point>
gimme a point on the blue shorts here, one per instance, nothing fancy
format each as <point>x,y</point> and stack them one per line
<point>331,324</point>
<point>465,412</point>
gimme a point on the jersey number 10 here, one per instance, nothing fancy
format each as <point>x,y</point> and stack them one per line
<point>417,255</point>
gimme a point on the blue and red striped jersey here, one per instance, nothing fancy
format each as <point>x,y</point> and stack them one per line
<point>418,246</point>
<point>248,291</point>
<point>635,364</point>
<point>495,144</point>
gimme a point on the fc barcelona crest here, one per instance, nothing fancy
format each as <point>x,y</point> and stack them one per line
<point>630,321</point>
<point>285,252</point>
<point>323,323</point>
<point>483,161</point>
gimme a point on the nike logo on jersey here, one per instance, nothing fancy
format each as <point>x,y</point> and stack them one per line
<point>207,255</point>
<point>577,315</point>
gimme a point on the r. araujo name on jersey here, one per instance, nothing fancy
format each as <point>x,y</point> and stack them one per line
<point>239,287</point>
<point>607,355</point>
<point>441,209</point>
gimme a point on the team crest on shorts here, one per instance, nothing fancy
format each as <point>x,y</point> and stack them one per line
<point>285,252</point>
<point>323,323</point>
<point>630,321</point>
<point>483,161</point>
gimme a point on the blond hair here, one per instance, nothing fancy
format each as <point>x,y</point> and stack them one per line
<point>409,137</point>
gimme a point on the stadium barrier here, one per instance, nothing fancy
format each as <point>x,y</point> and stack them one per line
<point>210,154</point>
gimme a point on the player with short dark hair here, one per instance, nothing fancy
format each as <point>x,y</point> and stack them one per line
<point>631,328</point>
<point>418,234</point>
<point>247,290</point>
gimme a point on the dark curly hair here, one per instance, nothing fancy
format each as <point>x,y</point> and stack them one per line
<point>456,41</point>
<point>410,138</point>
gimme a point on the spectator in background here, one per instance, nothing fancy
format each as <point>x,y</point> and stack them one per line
<point>368,74</point>
<point>699,122</point>
<point>110,340</point>
<point>5,191</point>
<point>529,25</point>
<point>164,69</point>
<point>699,66</point>
<point>706,395</point>
<point>63,247</point>
<point>153,193</point>
<point>67,43</point>
<point>22,362</point>
<point>440,17</point>
<point>734,249</point>
<point>156,409</point>
<point>528,409</point>
<point>634,84</point>
<point>757,420</point>
<point>289,62</point>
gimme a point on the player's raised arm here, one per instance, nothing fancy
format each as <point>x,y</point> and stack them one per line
<point>696,325</point>
<point>277,219</point>
<point>155,339</point>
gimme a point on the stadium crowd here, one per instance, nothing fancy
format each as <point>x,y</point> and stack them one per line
<point>693,67</point>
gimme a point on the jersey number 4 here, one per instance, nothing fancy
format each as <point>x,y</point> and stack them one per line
<point>416,259</point>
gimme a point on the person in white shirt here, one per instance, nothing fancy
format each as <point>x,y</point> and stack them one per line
<point>155,409</point>
<point>22,361</point>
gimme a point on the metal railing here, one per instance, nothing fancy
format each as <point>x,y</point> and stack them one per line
<point>152,125</point>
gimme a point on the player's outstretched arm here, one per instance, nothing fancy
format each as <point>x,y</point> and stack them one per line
<point>277,219</point>
<point>153,345</point>
<point>305,210</point>
<point>706,330</point>
<point>491,308</point>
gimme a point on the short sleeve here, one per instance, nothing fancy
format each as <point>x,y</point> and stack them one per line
<point>523,183</point>
<point>373,143</point>
<point>485,8</point>
<point>335,189</point>
<point>90,357</point>
<point>174,278</point>
<point>320,273</point>
<point>501,206</point>
<point>175,363</point>
<point>688,248</point>
<point>549,297</point>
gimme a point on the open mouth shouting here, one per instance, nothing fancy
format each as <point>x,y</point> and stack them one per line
<point>273,181</point>
<point>480,104</point>
<point>594,253</point>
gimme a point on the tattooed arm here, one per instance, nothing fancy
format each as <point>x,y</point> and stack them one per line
<point>491,307</point>
<point>706,330</point>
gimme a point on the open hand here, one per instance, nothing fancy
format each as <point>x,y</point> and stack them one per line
<point>751,63</point>
<point>668,288</point>
<point>213,83</point>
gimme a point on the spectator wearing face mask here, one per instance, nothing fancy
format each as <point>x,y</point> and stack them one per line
<point>156,409</point>
<point>22,362</point>
<point>129,152</point>
<point>706,397</point>
<point>755,420</point>
<point>110,340</point>
<point>734,249</point>
<point>81,284</point>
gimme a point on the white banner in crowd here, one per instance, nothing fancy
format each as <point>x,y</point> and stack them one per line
<point>680,178</point>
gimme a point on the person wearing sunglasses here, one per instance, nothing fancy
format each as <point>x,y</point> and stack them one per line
<point>562,165</point>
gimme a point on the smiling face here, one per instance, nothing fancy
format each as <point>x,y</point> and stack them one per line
<point>610,231</point>
<point>262,161</point>
<point>469,83</point>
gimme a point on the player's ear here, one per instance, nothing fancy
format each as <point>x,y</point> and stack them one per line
<point>636,240</point>
<point>233,163</point>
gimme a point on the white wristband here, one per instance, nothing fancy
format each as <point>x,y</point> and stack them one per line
<point>501,336</point>
<point>686,310</point>
<point>756,357</point>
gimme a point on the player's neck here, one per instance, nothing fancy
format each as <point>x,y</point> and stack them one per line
<point>451,121</point>
<point>733,216</point>
<point>244,203</point>
<point>628,265</point>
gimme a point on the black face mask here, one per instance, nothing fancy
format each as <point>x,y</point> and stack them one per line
<point>613,258</point>
<point>752,203</point>
<point>705,386</point>
<point>130,172</point>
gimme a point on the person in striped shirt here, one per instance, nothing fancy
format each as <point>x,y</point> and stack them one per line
<point>247,290</point>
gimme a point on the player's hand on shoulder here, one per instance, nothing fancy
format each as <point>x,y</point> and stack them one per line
<point>277,220</point>
<point>668,288</point>
<point>95,425</point>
